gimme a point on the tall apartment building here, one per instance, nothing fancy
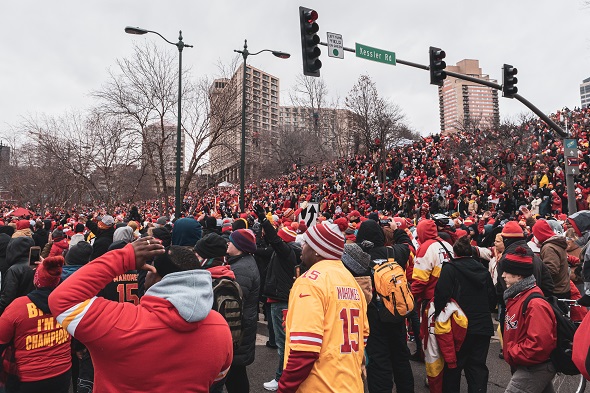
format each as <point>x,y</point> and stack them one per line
<point>465,105</point>
<point>585,93</point>
<point>164,139</point>
<point>262,125</point>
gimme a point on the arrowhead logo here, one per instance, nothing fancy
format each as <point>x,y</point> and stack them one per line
<point>302,295</point>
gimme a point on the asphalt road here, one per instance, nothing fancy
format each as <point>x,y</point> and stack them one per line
<point>264,366</point>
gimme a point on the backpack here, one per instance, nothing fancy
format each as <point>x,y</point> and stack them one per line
<point>229,302</point>
<point>561,356</point>
<point>392,287</point>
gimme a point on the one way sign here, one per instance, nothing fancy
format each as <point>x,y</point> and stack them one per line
<point>309,213</point>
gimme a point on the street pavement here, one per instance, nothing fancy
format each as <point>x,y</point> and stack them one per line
<point>265,363</point>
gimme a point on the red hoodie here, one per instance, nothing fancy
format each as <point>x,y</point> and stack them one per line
<point>171,341</point>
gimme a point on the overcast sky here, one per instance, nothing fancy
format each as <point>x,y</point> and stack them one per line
<point>52,54</point>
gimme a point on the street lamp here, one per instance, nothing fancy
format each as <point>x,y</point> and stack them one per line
<point>245,54</point>
<point>180,45</point>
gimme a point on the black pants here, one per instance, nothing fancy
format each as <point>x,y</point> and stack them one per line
<point>414,320</point>
<point>236,381</point>
<point>85,374</point>
<point>57,384</point>
<point>389,356</point>
<point>271,330</point>
<point>471,358</point>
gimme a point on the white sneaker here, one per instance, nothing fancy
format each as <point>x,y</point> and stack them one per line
<point>272,385</point>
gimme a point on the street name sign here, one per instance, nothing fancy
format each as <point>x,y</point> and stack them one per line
<point>335,45</point>
<point>375,54</point>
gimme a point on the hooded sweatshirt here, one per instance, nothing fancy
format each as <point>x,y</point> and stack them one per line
<point>470,284</point>
<point>429,259</point>
<point>19,276</point>
<point>174,317</point>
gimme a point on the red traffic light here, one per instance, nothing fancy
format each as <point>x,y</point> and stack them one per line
<point>311,16</point>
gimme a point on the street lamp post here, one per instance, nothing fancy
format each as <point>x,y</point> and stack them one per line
<point>180,45</point>
<point>245,53</point>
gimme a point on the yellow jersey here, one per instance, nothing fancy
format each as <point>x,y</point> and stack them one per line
<point>328,315</point>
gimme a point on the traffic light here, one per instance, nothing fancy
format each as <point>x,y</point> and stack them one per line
<point>437,66</point>
<point>509,81</point>
<point>310,41</point>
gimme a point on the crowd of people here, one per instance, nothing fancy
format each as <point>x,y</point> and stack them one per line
<point>83,289</point>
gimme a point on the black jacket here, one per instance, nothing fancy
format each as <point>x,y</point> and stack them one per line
<point>41,237</point>
<point>104,238</point>
<point>470,284</point>
<point>246,271</point>
<point>281,268</point>
<point>540,271</point>
<point>19,276</point>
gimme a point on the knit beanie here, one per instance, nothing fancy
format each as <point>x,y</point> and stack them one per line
<point>288,213</point>
<point>79,254</point>
<point>326,239</point>
<point>512,229</point>
<point>518,262</point>
<point>244,240</point>
<point>226,225</point>
<point>240,223</point>
<point>163,234</point>
<point>211,246</point>
<point>48,273</point>
<point>22,224</point>
<point>58,234</point>
<point>355,259</point>
<point>287,234</point>
<point>542,230</point>
<point>79,228</point>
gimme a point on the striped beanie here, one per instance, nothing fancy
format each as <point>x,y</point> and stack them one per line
<point>244,240</point>
<point>287,234</point>
<point>326,239</point>
<point>519,262</point>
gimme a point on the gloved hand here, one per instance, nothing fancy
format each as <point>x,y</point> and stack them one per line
<point>261,213</point>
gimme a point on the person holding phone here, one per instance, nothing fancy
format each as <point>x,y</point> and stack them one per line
<point>19,276</point>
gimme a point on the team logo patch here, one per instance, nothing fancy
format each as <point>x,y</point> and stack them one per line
<point>511,322</point>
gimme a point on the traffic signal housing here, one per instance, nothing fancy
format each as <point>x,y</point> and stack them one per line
<point>509,81</point>
<point>437,66</point>
<point>310,41</point>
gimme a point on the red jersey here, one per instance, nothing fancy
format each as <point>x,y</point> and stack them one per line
<point>42,346</point>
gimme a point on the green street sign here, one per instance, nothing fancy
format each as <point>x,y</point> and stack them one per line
<point>378,55</point>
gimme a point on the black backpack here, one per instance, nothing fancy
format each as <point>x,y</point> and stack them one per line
<point>561,356</point>
<point>228,300</point>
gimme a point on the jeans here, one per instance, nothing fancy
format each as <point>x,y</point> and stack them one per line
<point>271,330</point>
<point>537,378</point>
<point>276,313</point>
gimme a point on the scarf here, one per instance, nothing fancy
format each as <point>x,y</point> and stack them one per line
<point>521,286</point>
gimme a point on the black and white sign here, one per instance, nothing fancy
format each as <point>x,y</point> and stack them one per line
<point>309,213</point>
<point>335,45</point>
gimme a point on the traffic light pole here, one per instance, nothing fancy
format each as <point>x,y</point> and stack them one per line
<point>569,179</point>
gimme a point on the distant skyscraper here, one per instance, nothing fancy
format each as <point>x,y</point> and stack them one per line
<point>585,93</point>
<point>262,125</point>
<point>467,105</point>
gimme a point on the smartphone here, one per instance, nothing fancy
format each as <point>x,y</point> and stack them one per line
<point>34,255</point>
<point>384,223</point>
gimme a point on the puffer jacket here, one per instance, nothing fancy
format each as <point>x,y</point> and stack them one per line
<point>246,272</point>
<point>19,276</point>
<point>4,240</point>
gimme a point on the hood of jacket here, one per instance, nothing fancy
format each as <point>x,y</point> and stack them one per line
<point>222,271</point>
<point>123,233</point>
<point>17,250</point>
<point>473,270</point>
<point>426,230</point>
<point>559,241</point>
<point>4,240</point>
<point>190,293</point>
<point>580,221</point>
<point>370,230</point>
<point>186,232</point>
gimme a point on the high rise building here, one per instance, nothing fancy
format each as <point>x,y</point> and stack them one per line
<point>466,105</point>
<point>585,93</point>
<point>262,125</point>
<point>164,140</point>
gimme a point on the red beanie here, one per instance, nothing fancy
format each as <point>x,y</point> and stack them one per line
<point>22,224</point>
<point>542,231</point>
<point>512,229</point>
<point>244,240</point>
<point>518,262</point>
<point>48,273</point>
